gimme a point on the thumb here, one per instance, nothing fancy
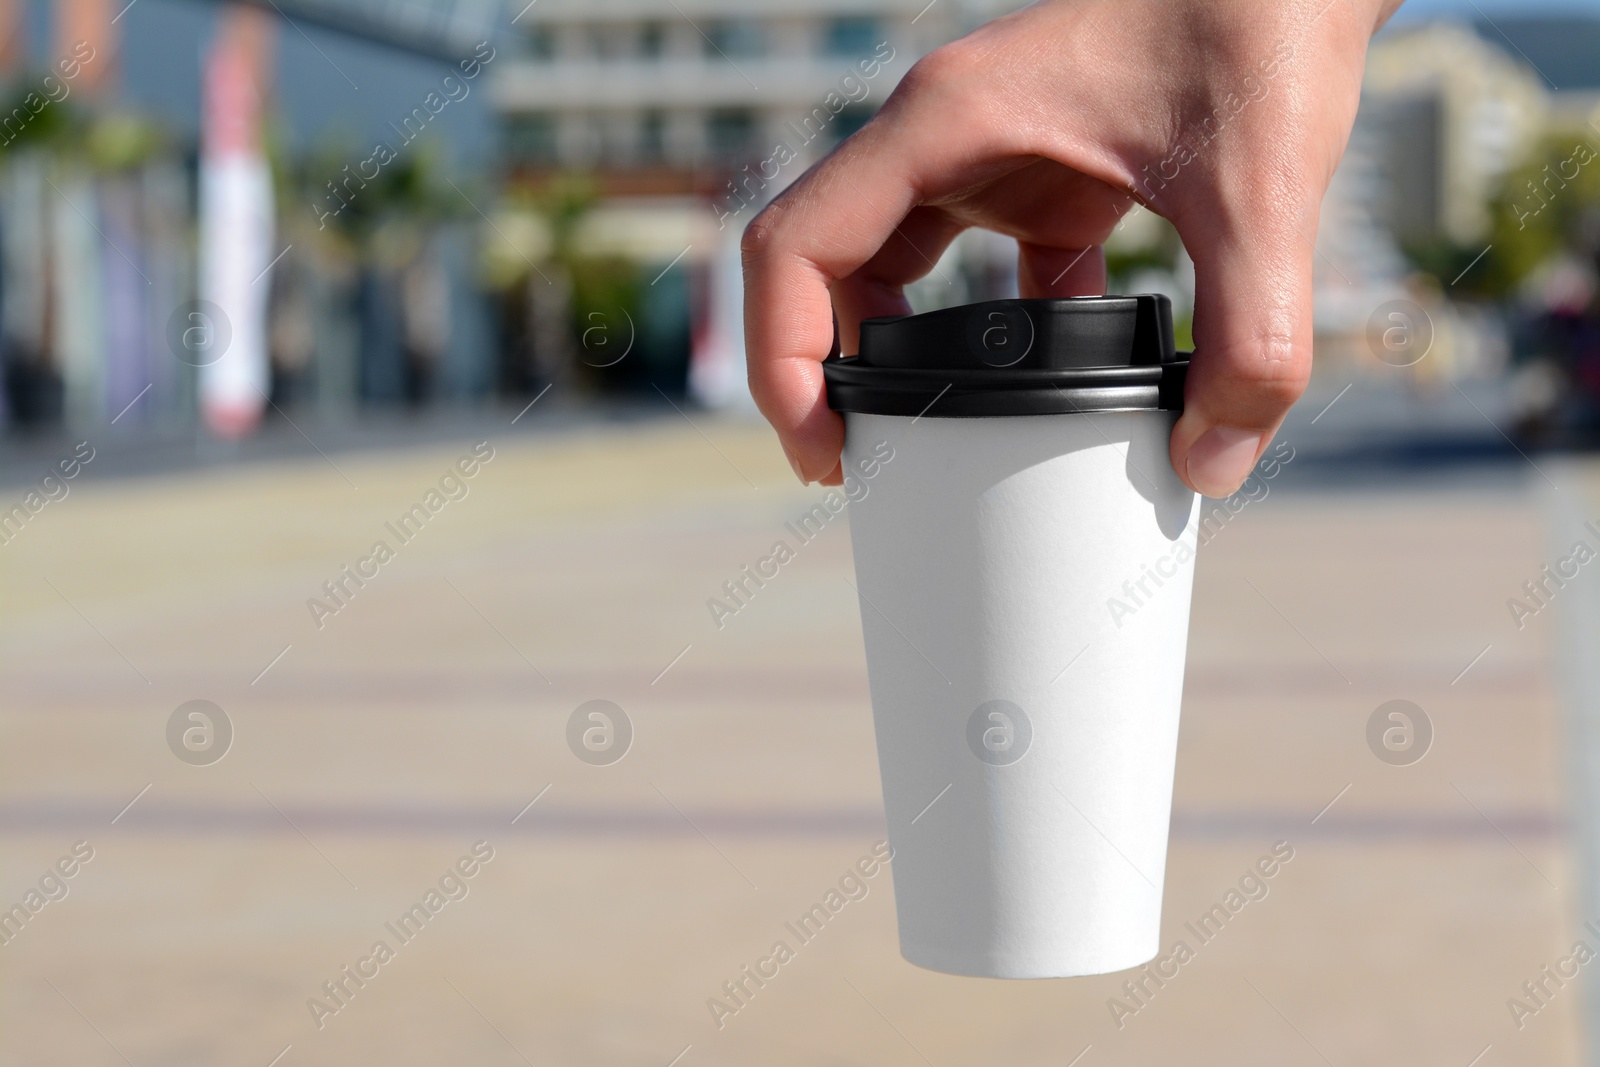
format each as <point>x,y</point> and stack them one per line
<point>1252,358</point>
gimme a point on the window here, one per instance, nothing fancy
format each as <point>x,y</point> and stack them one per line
<point>734,38</point>
<point>732,132</point>
<point>852,36</point>
<point>652,137</point>
<point>541,41</point>
<point>652,40</point>
<point>613,42</point>
<point>531,140</point>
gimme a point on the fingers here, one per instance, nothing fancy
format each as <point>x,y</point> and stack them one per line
<point>1060,218</point>
<point>1252,332</point>
<point>910,252</point>
<point>819,233</point>
<point>788,326</point>
<point>1058,215</point>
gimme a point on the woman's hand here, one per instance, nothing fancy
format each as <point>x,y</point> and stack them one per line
<point>1227,117</point>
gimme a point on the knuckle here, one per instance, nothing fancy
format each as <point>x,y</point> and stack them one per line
<point>1256,376</point>
<point>761,236</point>
<point>940,70</point>
<point>1279,394</point>
<point>1274,374</point>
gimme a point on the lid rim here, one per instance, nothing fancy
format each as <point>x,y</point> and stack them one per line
<point>936,396</point>
<point>1015,357</point>
<point>850,369</point>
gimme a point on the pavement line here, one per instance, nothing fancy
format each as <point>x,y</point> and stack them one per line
<point>1330,804</point>
<point>1507,840</point>
<point>423,686</point>
<point>34,815</point>
<point>706,836</point>
<point>130,804</point>
<point>273,664</point>
<point>1471,665</point>
<point>530,804</point>
<point>673,664</point>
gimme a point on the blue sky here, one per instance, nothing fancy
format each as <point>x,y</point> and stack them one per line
<point>1467,9</point>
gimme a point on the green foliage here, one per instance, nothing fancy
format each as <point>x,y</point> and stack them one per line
<point>601,284</point>
<point>46,123</point>
<point>121,141</point>
<point>604,282</point>
<point>1183,333</point>
<point>403,184</point>
<point>1547,206</point>
<point>1122,264</point>
<point>564,202</point>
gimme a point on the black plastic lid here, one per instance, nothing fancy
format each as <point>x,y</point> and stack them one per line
<point>1015,357</point>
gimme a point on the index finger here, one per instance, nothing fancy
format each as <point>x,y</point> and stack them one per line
<point>822,229</point>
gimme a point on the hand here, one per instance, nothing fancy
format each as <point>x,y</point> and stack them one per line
<point>1227,117</point>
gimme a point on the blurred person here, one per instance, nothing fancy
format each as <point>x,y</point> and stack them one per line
<point>424,320</point>
<point>291,333</point>
<point>1226,117</point>
<point>1556,389</point>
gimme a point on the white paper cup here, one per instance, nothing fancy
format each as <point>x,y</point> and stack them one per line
<point>1024,560</point>
<point>1026,723</point>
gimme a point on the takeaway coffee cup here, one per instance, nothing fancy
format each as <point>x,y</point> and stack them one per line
<point>1024,564</point>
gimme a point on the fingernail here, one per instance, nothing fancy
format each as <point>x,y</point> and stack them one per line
<point>1221,459</point>
<point>794,465</point>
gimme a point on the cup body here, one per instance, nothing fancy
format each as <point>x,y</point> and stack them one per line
<point>1024,586</point>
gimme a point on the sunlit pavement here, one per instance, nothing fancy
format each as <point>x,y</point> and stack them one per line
<point>430,710</point>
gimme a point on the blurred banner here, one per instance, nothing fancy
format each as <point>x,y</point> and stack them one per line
<point>236,226</point>
<point>717,377</point>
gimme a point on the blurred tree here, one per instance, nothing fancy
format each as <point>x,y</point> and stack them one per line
<point>1151,245</point>
<point>46,124</point>
<point>1546,208</point>
<point>354,192</point>
<point>585,306</point>
<point>122,141</point>
<point>601,283</point>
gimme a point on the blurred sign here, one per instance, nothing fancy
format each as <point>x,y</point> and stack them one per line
<point>236,228</point>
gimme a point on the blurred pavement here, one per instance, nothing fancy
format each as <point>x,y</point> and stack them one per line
<point>428,713</point>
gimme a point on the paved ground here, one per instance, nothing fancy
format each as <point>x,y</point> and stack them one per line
<point>424,715</point>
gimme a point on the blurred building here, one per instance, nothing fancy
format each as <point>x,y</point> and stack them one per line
<point>1449,112</point>
<point>1446,112</point>
<point>635,139</point>
<point>688,117</point>
<point>663,98</point>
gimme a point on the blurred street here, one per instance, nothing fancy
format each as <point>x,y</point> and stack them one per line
<point>430,711</point>
<point>375,435</point>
